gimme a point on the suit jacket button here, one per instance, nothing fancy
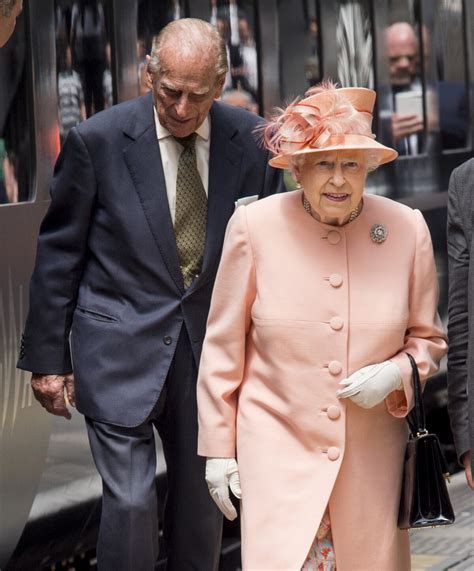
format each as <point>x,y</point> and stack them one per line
<point>167,340</point>
<point>333,453</point>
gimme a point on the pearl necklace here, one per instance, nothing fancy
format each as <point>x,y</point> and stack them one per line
<point>354,214</point>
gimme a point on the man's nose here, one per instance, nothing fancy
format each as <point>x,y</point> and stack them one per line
<point>182,106</point>
<point>404,62</point>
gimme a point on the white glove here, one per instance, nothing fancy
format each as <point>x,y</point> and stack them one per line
<point>220,474</point>
<point>369,386</point>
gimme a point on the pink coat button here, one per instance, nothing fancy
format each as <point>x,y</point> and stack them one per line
<point>334,237</point>
<point>336,323</point>
<point>333,412</point>
<point>335,367</point>
<point>333,453</point>
<point>335,280</point>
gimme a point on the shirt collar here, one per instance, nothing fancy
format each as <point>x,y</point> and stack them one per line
<point>162,133</point>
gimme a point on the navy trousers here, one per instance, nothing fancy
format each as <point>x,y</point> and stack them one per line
<point>126,461</point>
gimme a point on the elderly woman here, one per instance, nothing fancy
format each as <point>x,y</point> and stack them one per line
<point>304,379</point>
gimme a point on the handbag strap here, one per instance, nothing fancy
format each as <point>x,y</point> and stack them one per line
<point>416,419</point>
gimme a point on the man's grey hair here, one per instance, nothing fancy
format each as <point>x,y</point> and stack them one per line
<point>190,35</point>
<point>6,7</point>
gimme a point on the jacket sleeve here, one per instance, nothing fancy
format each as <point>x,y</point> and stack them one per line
<point>273,182</point>
<point>424,337</point>
<point>61,251</point>
<point>458,322</point>
<point>223,356</point>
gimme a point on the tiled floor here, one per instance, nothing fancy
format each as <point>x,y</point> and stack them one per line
<point>452,547</point>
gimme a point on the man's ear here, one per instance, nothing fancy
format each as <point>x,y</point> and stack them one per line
<point>219,86</point>
<point>149,75</point>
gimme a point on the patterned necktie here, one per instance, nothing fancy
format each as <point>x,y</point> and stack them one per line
<point>191,212</point>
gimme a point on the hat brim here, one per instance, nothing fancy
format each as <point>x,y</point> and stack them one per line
<point>350,143</point>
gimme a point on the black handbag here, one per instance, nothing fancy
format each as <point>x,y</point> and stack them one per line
<point>424,500</point>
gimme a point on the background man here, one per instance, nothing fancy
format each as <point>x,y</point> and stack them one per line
<point>461,314</point>
<point>9,12</point>
<point>404,66</point>
<point>126,262</point>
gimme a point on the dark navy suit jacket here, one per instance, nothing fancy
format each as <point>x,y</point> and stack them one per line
<point>107,267</point>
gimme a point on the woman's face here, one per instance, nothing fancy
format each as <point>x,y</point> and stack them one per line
<point>333,183</point>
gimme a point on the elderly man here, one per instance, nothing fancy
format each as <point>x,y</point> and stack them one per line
<point>9,12</point>
<point>126,262</point>
<point>461,315</point>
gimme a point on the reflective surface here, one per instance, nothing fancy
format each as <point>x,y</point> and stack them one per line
<point>449,21</point>
<point>299,47</point>
<point>83,61</point>
<point>15,140</point>
<point>354,44</point>
<point>24,428</point>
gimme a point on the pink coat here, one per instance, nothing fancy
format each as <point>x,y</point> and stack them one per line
<point>297,306</point>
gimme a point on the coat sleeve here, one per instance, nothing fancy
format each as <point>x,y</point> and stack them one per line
<point>458,321</point>
<point>223,356</point>
<point>273,182</point>
<point>424,338</point>
<point>61,251</point>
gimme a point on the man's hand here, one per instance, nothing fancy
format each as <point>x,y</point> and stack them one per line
<point>466,460</point>
<point>49,391</point>
<point>405,125</point>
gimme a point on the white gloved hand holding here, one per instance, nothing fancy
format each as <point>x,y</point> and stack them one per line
<point>370,385</point>
<point>222,473</point>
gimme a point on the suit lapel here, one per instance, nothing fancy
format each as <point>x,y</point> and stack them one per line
<point>225,157</point>
<point>143,160</point>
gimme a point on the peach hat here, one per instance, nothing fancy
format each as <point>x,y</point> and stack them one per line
<point>328,119</point>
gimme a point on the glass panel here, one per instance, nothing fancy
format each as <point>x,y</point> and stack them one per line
<point>83,59</point>
<point>15,101</point>
<point>235,22</point>
<point>451,67</point>
<point>355,47</point>
<point>299,47</point>
<point>152,16</point>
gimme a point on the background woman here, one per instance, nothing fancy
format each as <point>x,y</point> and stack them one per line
<point>304,375</point>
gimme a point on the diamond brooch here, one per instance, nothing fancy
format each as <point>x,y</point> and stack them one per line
<point>378,233</point>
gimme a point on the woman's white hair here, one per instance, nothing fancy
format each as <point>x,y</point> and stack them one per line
<point>372,159</point>
<point>190,35</point>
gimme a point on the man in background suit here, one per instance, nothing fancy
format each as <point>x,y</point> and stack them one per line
<point>126,261</point>
<point>461,314</point>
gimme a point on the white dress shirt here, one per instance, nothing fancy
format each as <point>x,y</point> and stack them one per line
<point>171,150</point>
